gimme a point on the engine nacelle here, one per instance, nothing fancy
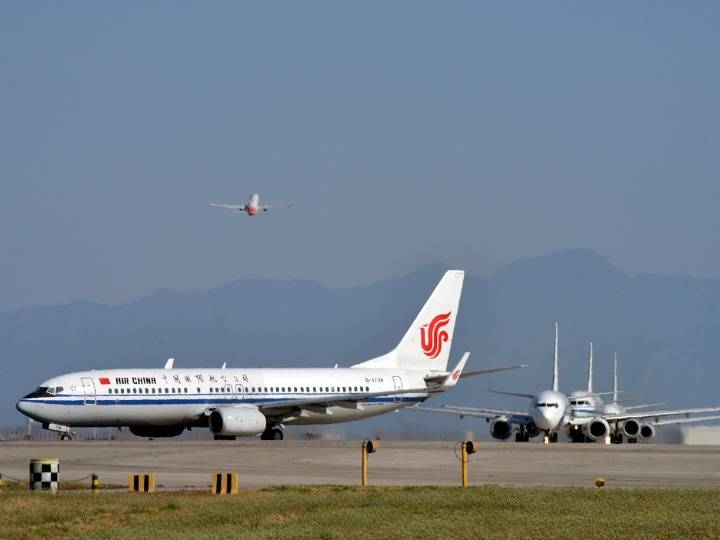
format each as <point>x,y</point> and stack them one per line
<point>157,431</point>
<point>598,428</point>
<point>237,421</point>
<point>647,431</point>
<point>631,428</point>
<point>532,430</point>
<point>500,429</point>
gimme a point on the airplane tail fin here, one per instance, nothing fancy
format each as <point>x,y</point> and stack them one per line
<point>426,344</point>
<point>590,366</point>
<point>555,382</point>
<point>615,385</point>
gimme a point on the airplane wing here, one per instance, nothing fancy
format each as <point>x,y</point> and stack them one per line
<point>529,396</point>
<point>669,421</point>
<point>443,376</point>
<point>274,206</point>
<point>233,207</point>
<point>347,399</point>
<point>488,414</point>
<point>658,414</point>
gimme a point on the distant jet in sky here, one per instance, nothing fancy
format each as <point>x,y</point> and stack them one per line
<point>251,208</point>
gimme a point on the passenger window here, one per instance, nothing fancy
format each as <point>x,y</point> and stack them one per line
<point>344,389</point>
<point>198,390</point>
<point>167,391</point>
<point>283,389</point>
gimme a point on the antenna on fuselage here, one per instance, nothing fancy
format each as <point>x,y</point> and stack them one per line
<point>590,362</point>
<point>224,365</point>
<point>556,386</point>
<point>169,363</point>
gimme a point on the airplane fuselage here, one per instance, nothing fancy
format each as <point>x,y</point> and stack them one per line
<point>167,397</point>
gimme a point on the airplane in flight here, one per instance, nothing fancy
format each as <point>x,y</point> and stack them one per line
<point>251,208</point>
<point>248,402</point>
<point>613,421</point>
<point>547,413</point>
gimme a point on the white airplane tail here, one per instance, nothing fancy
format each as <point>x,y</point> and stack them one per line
<point>615,384</point>
<point>590,366</point>
<point>555,381</point>
<point>426,344</point>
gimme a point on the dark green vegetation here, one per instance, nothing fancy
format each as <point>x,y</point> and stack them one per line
<point>349,512</point>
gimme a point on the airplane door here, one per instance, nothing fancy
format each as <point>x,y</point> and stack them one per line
<point>397,381</point>
<point>240,391</point>
<point>89,389</point>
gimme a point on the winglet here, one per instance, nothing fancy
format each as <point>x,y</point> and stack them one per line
<point>452,379</point>
<point>169,363</point>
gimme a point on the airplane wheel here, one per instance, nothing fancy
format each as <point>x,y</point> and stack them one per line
<point>65,437</point>
<point>526,437</point>
<point>518,437</point>
<point>554,437</point>
<point>618,438</point>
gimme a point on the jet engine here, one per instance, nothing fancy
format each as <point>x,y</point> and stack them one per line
<point>157,431</point>
<point>647,431</point>
<point>631,428</point>
<point>237,421</point>
<point>598,428</point>
<point>532,430</point>
<point>500,429</point>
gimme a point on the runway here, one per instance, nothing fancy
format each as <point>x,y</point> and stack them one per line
<point>181,464</point>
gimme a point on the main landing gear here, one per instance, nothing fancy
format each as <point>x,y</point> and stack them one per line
<point>522,435</point>
<point>550,438</point>
<point>617,439</point>
<point>272,434</point>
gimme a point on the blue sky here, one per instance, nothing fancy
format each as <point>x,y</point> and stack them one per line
<point>405,132</point>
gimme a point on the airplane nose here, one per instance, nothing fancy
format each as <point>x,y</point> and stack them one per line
<point>21,406</point>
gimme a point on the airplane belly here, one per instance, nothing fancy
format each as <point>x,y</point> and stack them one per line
<point>102,415</point>
<point>337,415</point>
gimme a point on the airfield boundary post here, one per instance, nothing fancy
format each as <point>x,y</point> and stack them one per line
<point>95,483</point>
<point>224,484</point>
<point>44,475</point>
<point>466,448</point>
<point>368,447</point>
<point>141,483</point>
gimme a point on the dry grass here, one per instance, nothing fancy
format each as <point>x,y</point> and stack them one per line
<point>342,512</point>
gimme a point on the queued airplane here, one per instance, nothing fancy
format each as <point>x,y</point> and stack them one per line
<point>547,412</point>
<point>614,421</point>
<point>251,208</point>
<point>249,402</point>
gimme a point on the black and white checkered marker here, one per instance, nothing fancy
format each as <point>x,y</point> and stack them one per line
<point>44,474</point>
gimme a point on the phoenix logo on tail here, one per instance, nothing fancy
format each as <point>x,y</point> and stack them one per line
<point>432,335</point>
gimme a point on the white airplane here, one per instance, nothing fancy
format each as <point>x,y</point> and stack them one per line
<point>613,421</point>
<point>547,413</point>
<point>251,208</point>
<point>248,402</point>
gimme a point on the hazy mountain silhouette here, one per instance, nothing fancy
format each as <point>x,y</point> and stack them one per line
<point>666,330</point>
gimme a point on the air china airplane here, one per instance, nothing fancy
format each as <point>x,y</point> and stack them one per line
<point>248,402</point>
<point>251,208</point>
